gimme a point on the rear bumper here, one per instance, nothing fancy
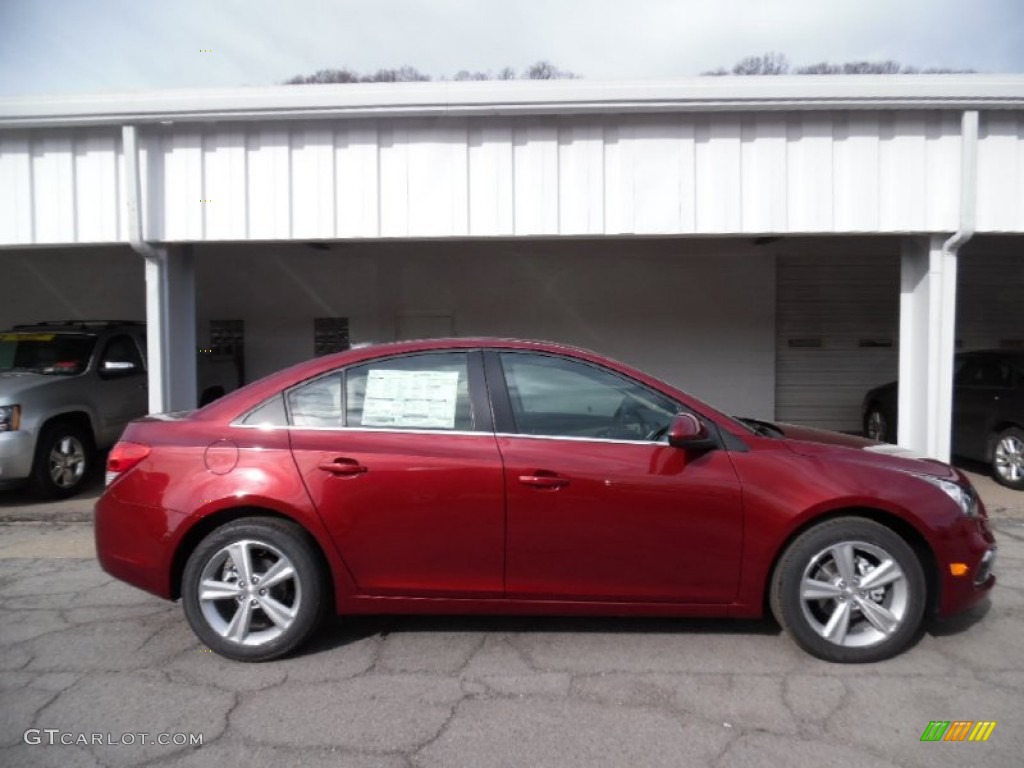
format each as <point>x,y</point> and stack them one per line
<point>133,543</point>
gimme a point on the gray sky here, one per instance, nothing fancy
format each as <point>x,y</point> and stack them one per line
<point>55,46</point>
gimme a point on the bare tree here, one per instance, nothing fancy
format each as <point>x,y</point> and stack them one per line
<point>821,68</point>
<point>771,63</point>
<point>544,70</point>
<point>541,70</point>
<point>776,64</point>
<point>325,76</point>
<point>401,75</point>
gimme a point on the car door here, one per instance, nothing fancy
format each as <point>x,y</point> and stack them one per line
<point>122,392</point>
<point>400,459</point>
<point>598,507</point>
<point>981,386</point>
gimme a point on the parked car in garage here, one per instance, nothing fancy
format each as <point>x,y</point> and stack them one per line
<point>496,476</point>
<point>988,412</point>
<point>68,389</point>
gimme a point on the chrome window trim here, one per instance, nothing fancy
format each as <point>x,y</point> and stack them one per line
<point>370,430</point>
<point>435,432</point>
<point>583,439</point>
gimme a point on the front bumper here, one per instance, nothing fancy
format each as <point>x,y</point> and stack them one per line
<point>974,545</point>
<point>16,453</point>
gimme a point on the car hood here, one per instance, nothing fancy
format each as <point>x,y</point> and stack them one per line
<point>817,442</point>
<point>13,383</point>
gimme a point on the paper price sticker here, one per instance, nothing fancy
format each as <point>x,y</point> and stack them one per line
<point>414,399</point>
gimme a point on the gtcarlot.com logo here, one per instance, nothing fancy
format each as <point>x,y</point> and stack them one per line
<point>958,730</point>
<point>55,736</point>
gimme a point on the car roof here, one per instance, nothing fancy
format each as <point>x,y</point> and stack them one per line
<point>252,394</point>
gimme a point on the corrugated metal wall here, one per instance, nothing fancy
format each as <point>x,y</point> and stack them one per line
<point>807,172</point>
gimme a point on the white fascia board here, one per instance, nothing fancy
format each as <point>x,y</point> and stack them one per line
<point>524,97</point>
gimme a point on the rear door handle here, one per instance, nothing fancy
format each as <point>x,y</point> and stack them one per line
<point>544,479</point>
<point>342,466</point>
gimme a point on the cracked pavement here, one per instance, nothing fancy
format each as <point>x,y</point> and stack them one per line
<point>83,653</point>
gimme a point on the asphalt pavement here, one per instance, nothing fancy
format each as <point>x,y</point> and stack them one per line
<point>84,658</point>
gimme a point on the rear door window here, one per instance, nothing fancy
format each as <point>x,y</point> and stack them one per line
<point>427,391</point>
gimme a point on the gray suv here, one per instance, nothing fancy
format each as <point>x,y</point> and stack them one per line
<point>68,389</point>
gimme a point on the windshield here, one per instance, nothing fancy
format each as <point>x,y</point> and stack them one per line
<point>57,354</point>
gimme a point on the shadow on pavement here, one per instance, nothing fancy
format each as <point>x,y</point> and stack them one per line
<point>962,622</point>
<point>338,632</point>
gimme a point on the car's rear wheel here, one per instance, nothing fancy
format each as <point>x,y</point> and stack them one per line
<point>253,589</point>
<point>1008,459</point>
<point>878,425</point>
<point>63,460</point>
<point>850,590</point>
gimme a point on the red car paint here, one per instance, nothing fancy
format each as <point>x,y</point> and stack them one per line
<point>503,523</point>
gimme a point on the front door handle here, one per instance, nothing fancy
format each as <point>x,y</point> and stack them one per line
<point>341,465</point>
<point>544,479</point>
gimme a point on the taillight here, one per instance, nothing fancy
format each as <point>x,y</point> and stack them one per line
<point>123,457</point>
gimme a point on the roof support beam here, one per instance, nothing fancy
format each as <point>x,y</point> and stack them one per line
<point>927,328</point>
<point>928,317</point>
<point>171,330</point>
<point>170,300</point>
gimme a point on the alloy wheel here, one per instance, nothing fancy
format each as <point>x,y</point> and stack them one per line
<point>249,592</point>
<point>67,462</point>
<point>1009,458</point>
<point>854,594</point>
<point>876,426</point>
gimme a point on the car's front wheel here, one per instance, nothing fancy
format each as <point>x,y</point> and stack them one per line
<point>253,589</point>
<point>63,460</point>
<point>850,590</point>
<point>1008,459</point>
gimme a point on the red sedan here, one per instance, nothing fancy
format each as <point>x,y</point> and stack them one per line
<point>493,476</point>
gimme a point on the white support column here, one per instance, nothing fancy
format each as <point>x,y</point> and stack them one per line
<point>927,330</point>
<point>171,329</point>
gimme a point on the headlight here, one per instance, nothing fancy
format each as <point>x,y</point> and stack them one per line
<point>10,417</point>
<point>965,497</point>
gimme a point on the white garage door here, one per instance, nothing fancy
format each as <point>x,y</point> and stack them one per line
<point>837,331</point>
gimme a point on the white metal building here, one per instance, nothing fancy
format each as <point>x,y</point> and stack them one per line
<point>774,245</point>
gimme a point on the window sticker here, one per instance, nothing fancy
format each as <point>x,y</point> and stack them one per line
<point>415,399</point>
<point>27,336</point>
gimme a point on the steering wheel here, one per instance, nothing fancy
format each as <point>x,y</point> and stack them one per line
<point>631,414</point>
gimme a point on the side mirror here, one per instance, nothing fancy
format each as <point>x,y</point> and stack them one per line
<point>114,368</point>
<point>688,432</point>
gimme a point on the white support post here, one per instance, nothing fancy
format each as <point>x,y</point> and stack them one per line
<point>171,329</point>
<point>927,330</point>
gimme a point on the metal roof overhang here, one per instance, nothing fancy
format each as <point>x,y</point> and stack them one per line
<point>568,97</point>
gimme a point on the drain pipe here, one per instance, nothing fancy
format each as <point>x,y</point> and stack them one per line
<point>968,182</point>
<point>157,300</point>
<point>946,330</point>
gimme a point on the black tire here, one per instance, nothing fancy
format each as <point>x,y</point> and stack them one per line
<point>880,421</point>
<point>1008,458</point>
<point>806,621</point>
<point>267,540</point>
<point>63,460</point>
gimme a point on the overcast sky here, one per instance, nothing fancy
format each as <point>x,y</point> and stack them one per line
<point>54,46</point>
